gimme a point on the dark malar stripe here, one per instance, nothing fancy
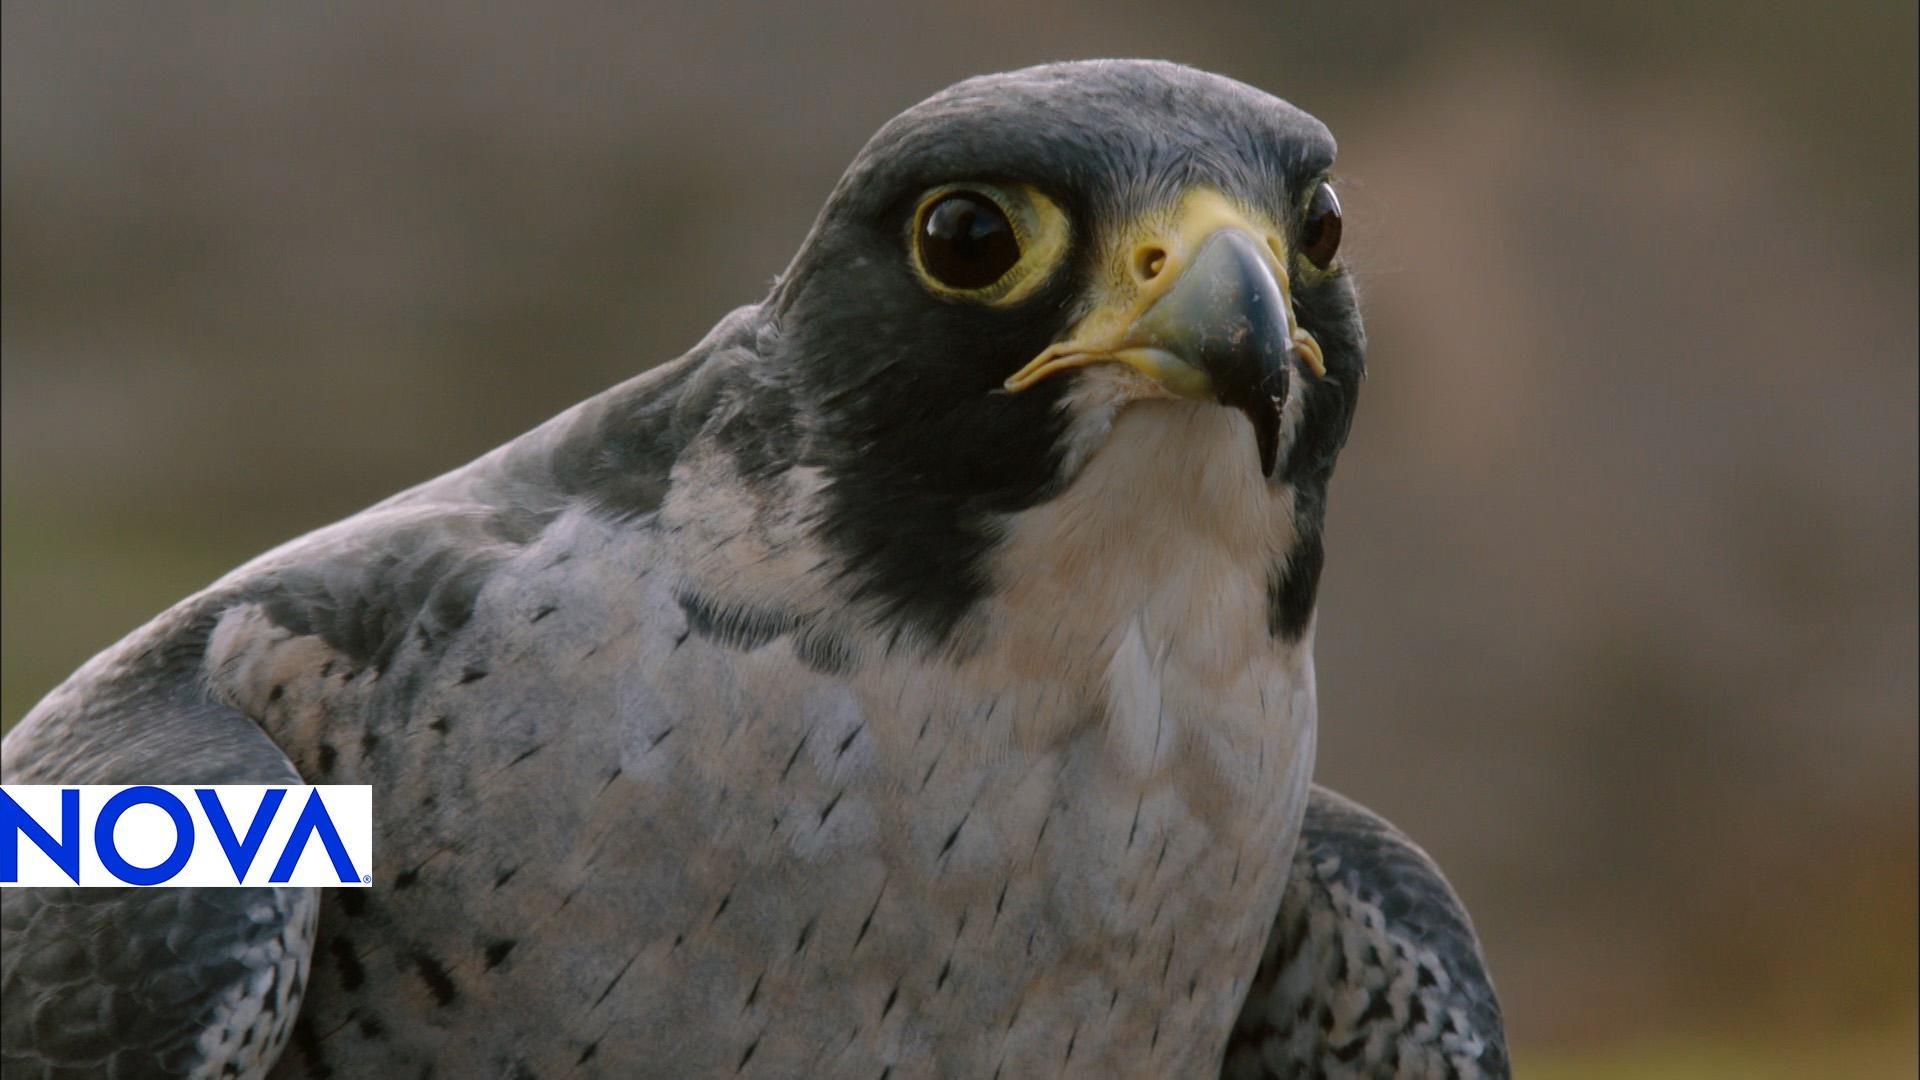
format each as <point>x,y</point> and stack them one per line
<point>1294,585</point>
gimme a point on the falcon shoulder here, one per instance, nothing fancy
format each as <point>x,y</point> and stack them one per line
<point>1372,969</point>
<point>145,982</point>
<point>192,981</point>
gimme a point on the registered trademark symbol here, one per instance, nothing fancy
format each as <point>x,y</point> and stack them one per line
<point>366,879</point>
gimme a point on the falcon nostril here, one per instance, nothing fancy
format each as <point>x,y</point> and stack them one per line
<point>1148,261</point>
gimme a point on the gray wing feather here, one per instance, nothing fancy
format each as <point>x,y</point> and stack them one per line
<point>1372,969</point>
<point>208,982</point>
<point>147,982</point>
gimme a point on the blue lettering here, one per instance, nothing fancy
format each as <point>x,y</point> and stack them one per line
<point>240,853</point>
<point>17,823</point>
<point>124,801</point>
<point>314,819</point>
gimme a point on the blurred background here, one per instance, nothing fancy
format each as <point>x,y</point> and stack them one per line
<point>1620,614</point>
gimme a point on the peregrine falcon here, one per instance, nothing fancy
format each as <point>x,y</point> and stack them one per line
<point>915,678</point>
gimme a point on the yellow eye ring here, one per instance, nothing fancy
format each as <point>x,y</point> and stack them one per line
<point>987,243</point>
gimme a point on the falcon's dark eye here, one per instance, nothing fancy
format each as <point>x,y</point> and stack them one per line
<point>1320,227</point>
<point>966,241</point>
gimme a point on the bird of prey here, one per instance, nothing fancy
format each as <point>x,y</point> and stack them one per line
<point>913,679</point>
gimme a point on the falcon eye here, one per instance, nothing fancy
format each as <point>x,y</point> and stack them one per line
<point>986,243</point>
<point>966,241</point>
<point>1320,226</point>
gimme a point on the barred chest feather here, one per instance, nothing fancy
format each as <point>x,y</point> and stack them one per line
<point>1067,834</point>
<point>1056,846</point>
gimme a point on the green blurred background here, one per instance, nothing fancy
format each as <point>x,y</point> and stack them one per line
<point>1620,614</point>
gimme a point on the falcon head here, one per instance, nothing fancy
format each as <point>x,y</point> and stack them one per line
<point>1028,271</point>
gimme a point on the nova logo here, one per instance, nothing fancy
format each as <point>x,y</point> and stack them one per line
<point>219,836</point>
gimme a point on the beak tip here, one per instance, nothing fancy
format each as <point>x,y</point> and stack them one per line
<point>1265,417</point>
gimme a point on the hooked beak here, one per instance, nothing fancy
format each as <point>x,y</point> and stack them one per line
<point>1211,321</point>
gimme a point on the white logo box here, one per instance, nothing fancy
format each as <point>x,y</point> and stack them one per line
<point>169,836</point>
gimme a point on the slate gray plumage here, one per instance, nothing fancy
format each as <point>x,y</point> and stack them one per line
<point>148,982</point>
<point>822,702</point>
<point>1373,968</point>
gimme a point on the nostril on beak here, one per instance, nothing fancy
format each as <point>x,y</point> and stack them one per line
<point>1148,262</point>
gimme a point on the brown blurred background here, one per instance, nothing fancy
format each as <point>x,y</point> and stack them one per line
<point>1620,616</point>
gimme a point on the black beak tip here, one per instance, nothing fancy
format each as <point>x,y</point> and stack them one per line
<point>1265,416</point>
